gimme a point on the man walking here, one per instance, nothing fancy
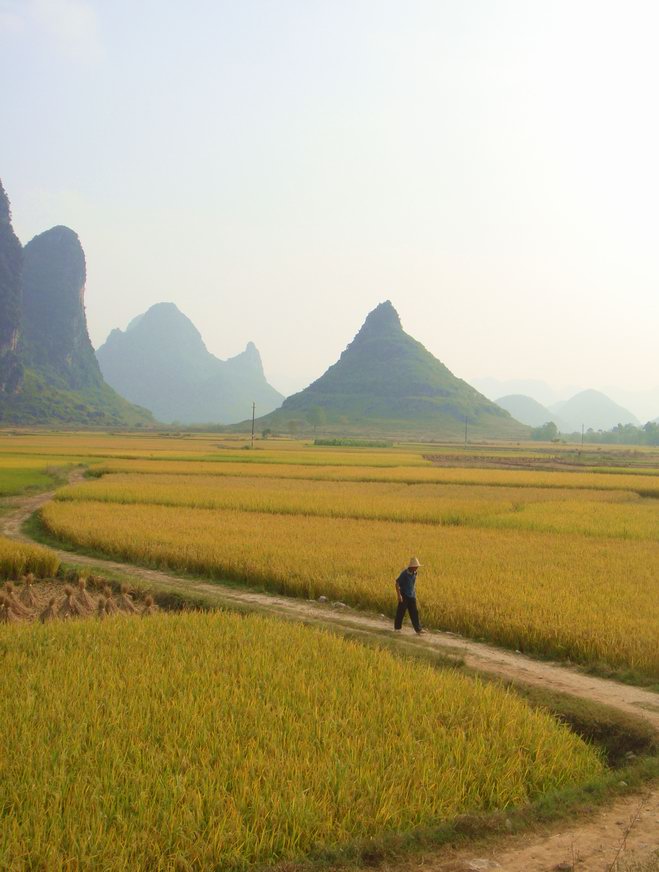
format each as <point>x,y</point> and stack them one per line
<point>406,591</point>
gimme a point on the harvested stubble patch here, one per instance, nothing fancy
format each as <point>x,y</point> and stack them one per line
<point>588,600</point>
<point>52,600</point>
<point>596,513</point>
<point>162,744</point>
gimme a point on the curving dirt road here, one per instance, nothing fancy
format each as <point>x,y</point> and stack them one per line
<point>590,846</point>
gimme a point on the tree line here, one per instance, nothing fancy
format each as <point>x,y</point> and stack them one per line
<point>621,434</point>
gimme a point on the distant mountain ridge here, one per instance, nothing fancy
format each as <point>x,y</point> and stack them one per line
<point>639,403</point>
<point>592,410</point>
<point>161,362</point>
<point>642,403</point>
<point>48,371</point>
<point>386,381</point>
<point>529,411</point>
<point>536,389</point>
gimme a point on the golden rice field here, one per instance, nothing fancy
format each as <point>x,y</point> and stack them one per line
<point>180,742</point>
<point>18,558</point>
<point>80,446</point>
<point>597,513</point>
<point>561,594</point>
<point>556,562</point>
<point>643,485</point>
<point>216,448</point>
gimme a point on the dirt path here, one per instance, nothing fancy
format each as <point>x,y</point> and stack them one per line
<point>627,831</point>
<point>590,845</point>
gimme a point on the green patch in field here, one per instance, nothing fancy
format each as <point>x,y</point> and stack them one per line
<point>16,481</point>
<point>353,443</point>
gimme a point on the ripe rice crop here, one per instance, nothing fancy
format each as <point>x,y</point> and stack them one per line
<point>320,457</point>
<point>200,448</point>
<point>18,559</point>
<point>644,485</point>
<point>181,742</point>
<point>604,513</point>
<point>562,595</point>
<point>626,520</point>
<point>100,444</point>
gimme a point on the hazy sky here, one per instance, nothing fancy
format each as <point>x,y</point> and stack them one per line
<point>278,167</point>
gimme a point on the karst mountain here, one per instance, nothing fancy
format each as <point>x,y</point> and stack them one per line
<point>11,265</point>
<point>387,382</point>
<point>48,371</point>
<point>160,362</point>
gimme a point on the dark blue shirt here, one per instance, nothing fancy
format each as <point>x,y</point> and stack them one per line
<point>407,583</point>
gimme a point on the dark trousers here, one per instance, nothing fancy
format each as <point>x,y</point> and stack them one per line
<point>408,604</point>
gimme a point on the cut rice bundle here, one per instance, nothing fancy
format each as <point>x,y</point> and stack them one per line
<point>125,602</point>
<point>69,608</point>
<point>100,608</point>
<point>13,601</point>
<point>7,614</point>
<point>110,604</point>
<point>27,595</point>
<point>150,608</point>
<point>49,613</point>
<point>85,602</point>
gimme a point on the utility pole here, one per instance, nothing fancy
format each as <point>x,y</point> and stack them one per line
<point>253,416</point>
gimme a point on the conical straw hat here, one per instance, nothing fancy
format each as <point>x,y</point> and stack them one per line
<point>413,561</point>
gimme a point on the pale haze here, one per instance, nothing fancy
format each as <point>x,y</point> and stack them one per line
<point>278,168</point>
